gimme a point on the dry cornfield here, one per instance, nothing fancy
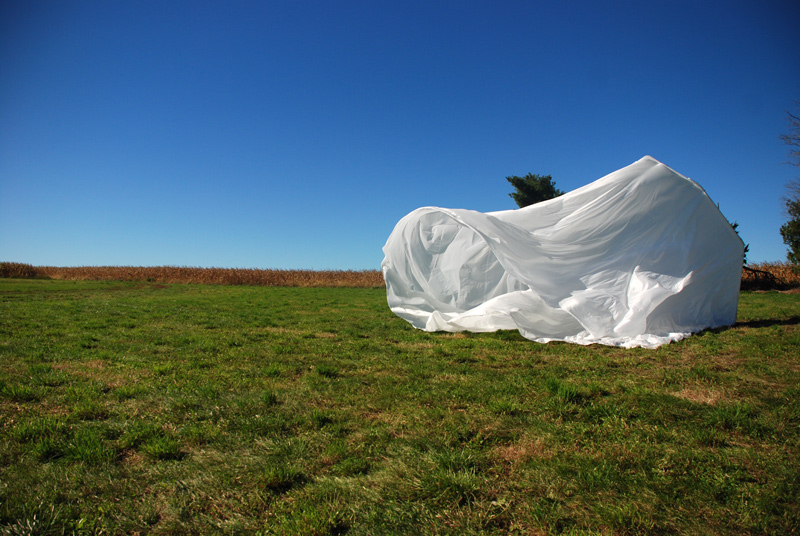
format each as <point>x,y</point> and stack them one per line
<point>762,276</point>
<point>211,276</point>
<point>770,276</point>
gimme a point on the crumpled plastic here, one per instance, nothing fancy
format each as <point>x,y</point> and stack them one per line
<point>639,258</point>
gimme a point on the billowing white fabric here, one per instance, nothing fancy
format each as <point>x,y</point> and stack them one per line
<point>640,257</point>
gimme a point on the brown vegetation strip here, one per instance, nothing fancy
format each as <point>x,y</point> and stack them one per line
<point>770,276</point>
<point>212,276</point>
<point>762,276</point>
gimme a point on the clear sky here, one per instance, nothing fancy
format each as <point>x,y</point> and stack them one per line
<point>295,134</point>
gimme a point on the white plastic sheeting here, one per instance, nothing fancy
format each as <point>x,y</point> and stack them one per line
<point>640,257</point>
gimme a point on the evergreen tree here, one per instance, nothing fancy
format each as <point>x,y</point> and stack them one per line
<point>533,189</point>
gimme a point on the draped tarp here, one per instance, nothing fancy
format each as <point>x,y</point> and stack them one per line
<point>640,257</point>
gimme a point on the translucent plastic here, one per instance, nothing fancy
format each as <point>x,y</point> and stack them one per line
<point>640,257</point>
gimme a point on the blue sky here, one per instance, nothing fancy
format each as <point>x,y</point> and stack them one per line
<point>295,134</point>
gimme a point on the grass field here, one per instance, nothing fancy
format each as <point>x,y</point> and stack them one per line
<point>147,408</point>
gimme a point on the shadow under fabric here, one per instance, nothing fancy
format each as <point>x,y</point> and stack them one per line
<point>638,258</point>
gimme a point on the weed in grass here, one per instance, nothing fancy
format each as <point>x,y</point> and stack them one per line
<point>45,375</point>
<point>86,391</point>
<point>281,479</point>
<point>505,407</point>
<point>47,449</point>
<point>273,370</point>
<point>89,446</point>
<point>740,417</point>
<point>207,392</point>
<point>197,434</point>
<point>670,377</point>
<point>52,378</point>
<point>22,393</point>
<point>703,374</point>
<point>269,398</point>
<point>37,427</point>
<point>42,519</point>
<point>320,418</point>
<point>125,392</point>
<point>352,466</point>
<point>311,518</point>
<point>464,459</point>
<point>562,391</point>
<point>186,405</point>
<point>138,432</point>
<point>327,371</point>
<point>152,440</point>
<point>164,369</point>
<point>267,425</point>
<point>89,410</point>
<point>446,487</point>
<point>162,447</point>
<point>626,517</point>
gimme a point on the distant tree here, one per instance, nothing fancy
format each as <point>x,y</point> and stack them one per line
<point>792,137</point>
<point>533,189</point>
<point>790,231</point>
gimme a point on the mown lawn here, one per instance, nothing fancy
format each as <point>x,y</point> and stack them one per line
<point>136,408</point>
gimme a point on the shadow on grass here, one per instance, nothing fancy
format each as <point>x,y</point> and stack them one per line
<point>768,322</point>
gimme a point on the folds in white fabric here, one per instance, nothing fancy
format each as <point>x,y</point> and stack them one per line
<point>640,257</point>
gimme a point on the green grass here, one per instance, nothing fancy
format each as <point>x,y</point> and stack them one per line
<point>185,409</point>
